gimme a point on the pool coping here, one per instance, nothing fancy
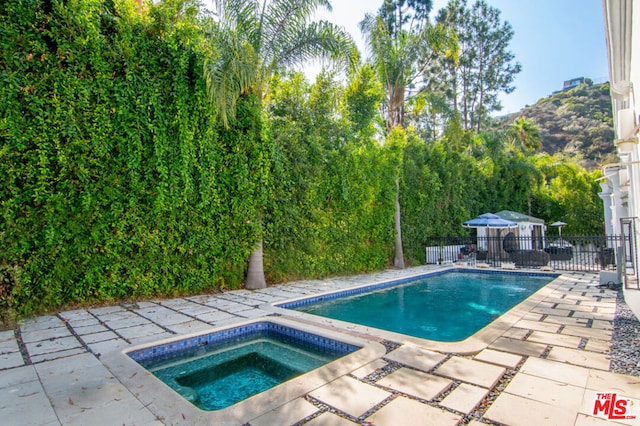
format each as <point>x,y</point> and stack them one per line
<point>171,408</point>
<point>469,346</point>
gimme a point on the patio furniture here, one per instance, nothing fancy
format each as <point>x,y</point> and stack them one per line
<point>559,253</point>
<point>529,258</point>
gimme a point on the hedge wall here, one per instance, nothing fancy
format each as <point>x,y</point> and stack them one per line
<point>115,182</point>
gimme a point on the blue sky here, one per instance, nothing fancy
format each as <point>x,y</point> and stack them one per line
<point>554,40</point>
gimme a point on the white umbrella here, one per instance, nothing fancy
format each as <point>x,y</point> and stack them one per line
<point>490,221</point>
<point>559,225</point>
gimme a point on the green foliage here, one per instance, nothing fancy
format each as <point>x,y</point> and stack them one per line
<point>332,205</point>
<point>486,67</point>
<point>569,194</point>
<point>110,160</point>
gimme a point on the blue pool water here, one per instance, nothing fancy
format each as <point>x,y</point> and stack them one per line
<point>447,307</point>
<point>218,370</point>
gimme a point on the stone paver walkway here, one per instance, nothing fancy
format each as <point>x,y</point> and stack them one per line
<point>549,368</point>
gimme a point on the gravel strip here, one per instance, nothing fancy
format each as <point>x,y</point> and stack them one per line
<point>625,351</point>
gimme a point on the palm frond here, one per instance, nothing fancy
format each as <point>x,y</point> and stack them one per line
<point>231,73</point>
<point>318,40</point>
<point>255,38</point>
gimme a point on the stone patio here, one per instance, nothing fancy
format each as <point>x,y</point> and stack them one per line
<point>547,368</point>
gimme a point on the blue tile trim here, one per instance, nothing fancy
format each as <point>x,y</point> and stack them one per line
<point>184,347</point>
<point>342,293</point>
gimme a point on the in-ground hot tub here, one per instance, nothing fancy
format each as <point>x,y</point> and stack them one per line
<point>236,373</point>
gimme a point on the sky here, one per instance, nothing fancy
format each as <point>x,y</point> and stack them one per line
<point>554,41</point>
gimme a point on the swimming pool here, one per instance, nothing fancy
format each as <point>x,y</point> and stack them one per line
<point>445,307</point>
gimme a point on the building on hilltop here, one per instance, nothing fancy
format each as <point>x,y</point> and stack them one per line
<point>574,82</point>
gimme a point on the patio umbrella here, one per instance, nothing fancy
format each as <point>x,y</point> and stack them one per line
<point>559,225</point>
<point>490,221</point>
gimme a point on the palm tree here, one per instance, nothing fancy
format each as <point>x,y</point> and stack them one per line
<point>526,134</point>
<point>254,39</point>
<point>401,57</point>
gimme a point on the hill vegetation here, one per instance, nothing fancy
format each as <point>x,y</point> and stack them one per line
<point>576,123</point>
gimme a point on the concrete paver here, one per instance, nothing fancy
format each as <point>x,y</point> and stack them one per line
<point>99,337</point>
<point>10,360</point>
<point>330,419</point>
<point>48,334</point>
<point>464,398</point>
<point>372,367</point>
<point>546,390</point>
<point>594,333</point>
<point>518,411</point>
<point>555,339</point>
<point>287,414</point>
<point>139,331</point>
<point>26,404</point>
<point>57,355</point>
<point>579,357</point>
<point>189,327</point>
<point>611,382</point>
<point>404,411</point>
<point>416,357</point>
<point>518,346</point>
<point>53,345</point>
<point>498,358</point>
<point>90,329</point>
<point>601,346</point>
<point>415,383</point>
<point>538,325</point>
<point>334,394</point>
<point>470,371</point>
<point>558,371</point>
<point>565,320</point>
<point>107,346</point>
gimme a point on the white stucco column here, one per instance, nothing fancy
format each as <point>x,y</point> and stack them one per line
<point>605,195</point>
<point>618,207</point>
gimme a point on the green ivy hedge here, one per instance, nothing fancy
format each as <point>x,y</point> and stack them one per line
<point>116,181</point>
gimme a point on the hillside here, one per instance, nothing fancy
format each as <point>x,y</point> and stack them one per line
<point>577,122</point>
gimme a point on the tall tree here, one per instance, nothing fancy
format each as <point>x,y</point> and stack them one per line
<point>401,45</point>
<point>256,38</point>
<point>486,68</point>
<point>400,39</point>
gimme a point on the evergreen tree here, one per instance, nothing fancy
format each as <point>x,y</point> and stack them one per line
<point>486,66</point>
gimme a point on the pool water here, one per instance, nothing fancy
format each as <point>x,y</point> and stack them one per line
<point>447,307</point>
<point>216,377</point>
<point>225,384</point>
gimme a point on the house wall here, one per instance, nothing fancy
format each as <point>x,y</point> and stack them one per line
<point>621,186</point>
<point>621,181</point>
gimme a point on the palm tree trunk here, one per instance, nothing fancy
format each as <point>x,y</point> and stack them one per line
<point>255,273</point>
<point>398,261</point>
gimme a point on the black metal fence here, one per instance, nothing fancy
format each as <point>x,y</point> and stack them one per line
<point>571,253</point>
